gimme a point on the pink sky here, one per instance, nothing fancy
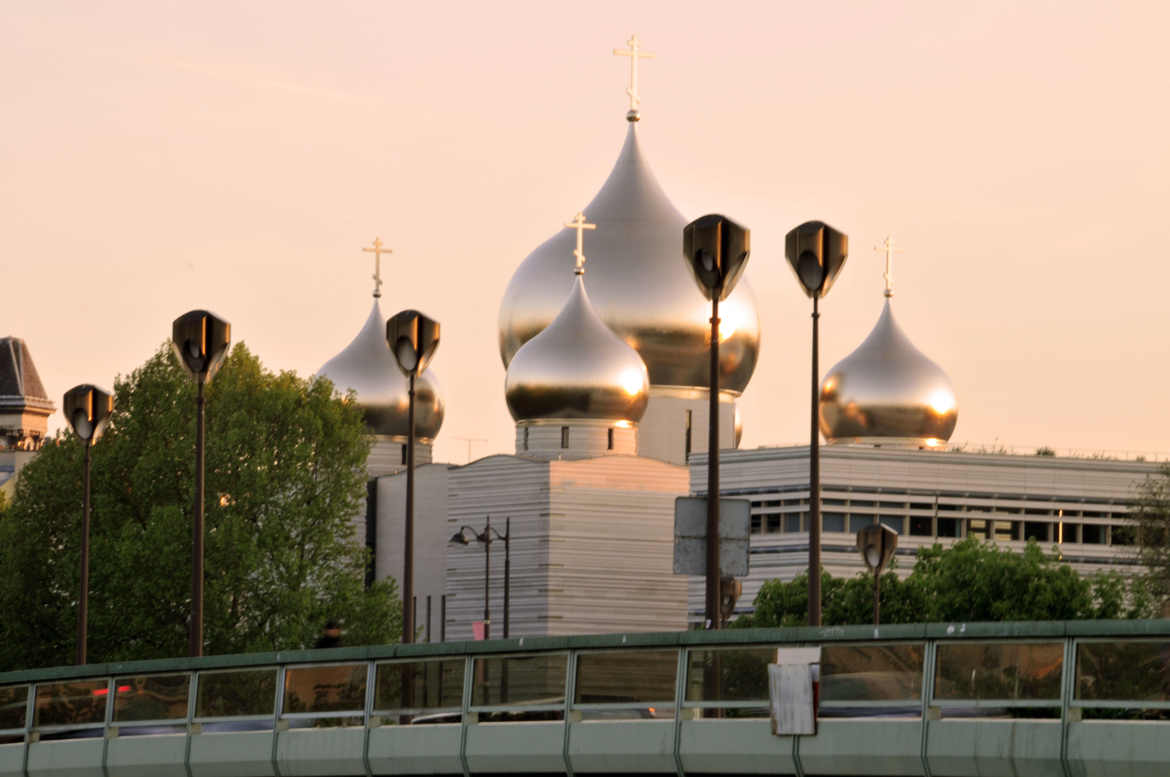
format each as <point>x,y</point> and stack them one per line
<point>162,156</point>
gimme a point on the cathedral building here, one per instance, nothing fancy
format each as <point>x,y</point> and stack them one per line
<point>24,410</point>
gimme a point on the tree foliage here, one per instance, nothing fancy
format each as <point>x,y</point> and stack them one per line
<point>969,581</point>
<point>285,475</point>
<point>1153,524</point>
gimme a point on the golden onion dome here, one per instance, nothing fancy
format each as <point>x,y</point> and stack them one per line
<point>577,368</point>
<point>887,392</point>
<point>639,284</point>
<point>368,368</point>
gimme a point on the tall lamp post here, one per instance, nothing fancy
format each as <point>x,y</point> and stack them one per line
<point>817,252</point>
<point>486,538</point>
<point>87,409</point>
<point>200,339</point>
<point>413,338</point>
<point>716,250</point>
<point>876,543</point>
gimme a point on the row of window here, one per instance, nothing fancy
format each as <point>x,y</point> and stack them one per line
<point>564,440</point>
<point>923,526</point>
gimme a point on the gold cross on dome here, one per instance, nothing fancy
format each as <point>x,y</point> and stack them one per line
<point>578,223</point>
<point>888,247</point>
<point>376,248</point>
<point>634,52</point>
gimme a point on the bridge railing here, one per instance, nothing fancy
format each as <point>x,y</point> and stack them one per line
<point>1058,672</point>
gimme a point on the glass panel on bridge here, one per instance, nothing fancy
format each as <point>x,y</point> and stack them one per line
<point>535,679</point>
<point>337,688</point>
<point>642,679</point>
<point>1136,671</point>
<point>77,702</point>
<point>236,693</point>
<point>13,705</point>
<point>871,672</point>
<point>420,686</point>
<point>735,675</point>
<point>1005,672</point>
<point>151,697</point>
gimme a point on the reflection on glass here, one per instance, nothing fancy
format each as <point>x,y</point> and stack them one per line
<point>871,672</point>
<point>1124,671</point>
<point>533,679</point>
<point>151,697</point>
<point>13,703</point>
<point>729,674</point>
<point>419,685</point>
<point>71,703</point>
<point>325,688</point>
<point>1003,671</point>
<point>236,692</point>
<point>619,676</point>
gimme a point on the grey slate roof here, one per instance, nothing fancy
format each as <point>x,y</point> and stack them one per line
<point>20,384</point>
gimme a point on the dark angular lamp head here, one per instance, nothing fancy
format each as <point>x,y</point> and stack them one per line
<point>412,338</point>
<point>200,339</point>
<point>876,543</point>
<point>88,409</point>
<point>716,250</point>
<point>817,252</point>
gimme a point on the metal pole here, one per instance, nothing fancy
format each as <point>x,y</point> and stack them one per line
<point>814,486</point>
<point>196,646</point>
<point>487,580</point>
<point>713,473</point>
<point>877,597</point>
<point>507,569</point>
<point>428,617</point>
<point>83,598</point>
<point>443,618</point>
<point>408,542</point>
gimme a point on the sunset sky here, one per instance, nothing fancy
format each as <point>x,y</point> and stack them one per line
<point>163,156</point>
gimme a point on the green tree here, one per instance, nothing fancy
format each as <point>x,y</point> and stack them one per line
<point>1152,514</point>
<point>969,581</point>
<point>285,475</point>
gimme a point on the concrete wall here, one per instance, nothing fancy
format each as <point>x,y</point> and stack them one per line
<point>662,432</point>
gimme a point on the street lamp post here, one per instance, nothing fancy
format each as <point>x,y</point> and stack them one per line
<point>87,409</point>
<point>486,538</point>
<point>876,543</point>
<point>413,338</point>
<point>200,339</point>
<point>817,252</point>
<point>716,250</point>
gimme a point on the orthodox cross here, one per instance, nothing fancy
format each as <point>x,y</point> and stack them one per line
<point>578,223</point>
<point>887,246</point>
<point>377,250</point>
<point>634,52</point>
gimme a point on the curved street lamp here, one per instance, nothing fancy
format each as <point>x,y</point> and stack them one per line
<point>412,338</point>
<point>876,543</point>
<point>88,409</point>
<point>487,537</point>
<point>716,250</point>
<point>200,339</point>
<point>817,252</point>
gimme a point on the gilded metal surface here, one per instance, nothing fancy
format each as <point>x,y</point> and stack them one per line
<point>577,368</point>
<point>639,285</point>
<point>368,367</point>
<point>887,390</point>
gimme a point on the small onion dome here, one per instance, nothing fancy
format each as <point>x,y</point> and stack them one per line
<point>887,391</point>
<point>577,368</point>
<point>368,368</point>
<point>639,285</point>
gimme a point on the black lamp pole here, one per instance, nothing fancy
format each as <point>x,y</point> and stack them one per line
<point>413,338</point>
<point>200,339</point>
<point>486,538</point>
<point>716,250</point>
<point>816,252</point>
<point>87,409</point>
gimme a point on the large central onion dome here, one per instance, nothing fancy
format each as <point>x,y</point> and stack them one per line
<point>639,284</point>
<point>368,368</point>
<point>887,392</point>
<point>577,369</point>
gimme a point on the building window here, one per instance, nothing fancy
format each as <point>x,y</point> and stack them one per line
<point>895,522</point>
<point>792,523</point>
<point>920,526</point>
<point>564,437</point>
<point>526,438</point>
<point>833,522</point>
<point>1092,534</point>
<point>404,455</point>
<point>757,525</point>
<point>687,441</point>
<point>1036,530</point>
<point>859,522</point>
<point>609,439</point>
<point>948,527</point>
<point>773,523</point>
